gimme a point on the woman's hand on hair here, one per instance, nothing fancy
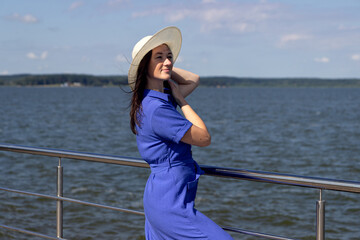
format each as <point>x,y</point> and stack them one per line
<point>186,80</point>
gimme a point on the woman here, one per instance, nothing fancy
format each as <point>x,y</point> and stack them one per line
<point>164,138</point>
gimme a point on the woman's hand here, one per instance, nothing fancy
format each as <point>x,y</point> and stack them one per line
<point>186,80</point>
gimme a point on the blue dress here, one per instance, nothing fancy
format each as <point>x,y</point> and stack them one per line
<point>171,187</point>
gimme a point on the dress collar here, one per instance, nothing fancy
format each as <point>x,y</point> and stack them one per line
<point>156,94</point>
<point>164,96</point>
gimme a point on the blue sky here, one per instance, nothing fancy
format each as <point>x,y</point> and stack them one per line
<point>273,38</point>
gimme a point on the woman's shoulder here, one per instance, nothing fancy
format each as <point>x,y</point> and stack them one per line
<point>152,104</point>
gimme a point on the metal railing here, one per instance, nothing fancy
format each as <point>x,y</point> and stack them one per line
<point>259,176</point>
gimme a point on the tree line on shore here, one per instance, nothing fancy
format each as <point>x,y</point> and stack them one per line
<point>219,81</point>
<point>62,79</point>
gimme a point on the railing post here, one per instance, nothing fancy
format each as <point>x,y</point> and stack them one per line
<point>59,203</point>
<point>320,218</point>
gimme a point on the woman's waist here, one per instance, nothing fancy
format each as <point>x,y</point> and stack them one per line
<point>158,166</point>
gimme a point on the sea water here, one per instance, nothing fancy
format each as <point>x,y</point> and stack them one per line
<point>302,131</point>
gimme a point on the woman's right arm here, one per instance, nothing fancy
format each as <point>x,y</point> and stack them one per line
<point>198,134</point>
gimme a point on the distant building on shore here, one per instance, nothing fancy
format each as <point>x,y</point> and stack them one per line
<point>74,84</point>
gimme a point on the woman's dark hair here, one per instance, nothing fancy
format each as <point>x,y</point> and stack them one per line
<point>138,92</point>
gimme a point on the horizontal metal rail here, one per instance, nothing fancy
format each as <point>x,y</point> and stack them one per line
<point>71,200</point>
<point>259,176</point>
<point>93,157</point>
<point>30,232</point>
<point>230,229</point>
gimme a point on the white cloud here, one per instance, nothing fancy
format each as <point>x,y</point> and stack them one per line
<point>234,17</point>
<point>31,55</point>
<point>28,18</point>
<point>76,5</point>
<point>115,2</point>
<point>292,38</point>
<point>343,27</point>
<point>208,1</point>
<point>5,72</point>
<point>355,57</point>
<point>113,5</point>
<point>42,56</point>
<point>241,27</point>
<point>179,15</point>
<point>322,60</point>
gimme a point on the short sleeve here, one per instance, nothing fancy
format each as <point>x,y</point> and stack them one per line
<point>169,124</point>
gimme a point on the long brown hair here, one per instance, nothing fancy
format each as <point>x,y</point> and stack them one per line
<point>138,92</point>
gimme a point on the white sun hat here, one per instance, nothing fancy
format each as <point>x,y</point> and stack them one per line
<point>171,36</point>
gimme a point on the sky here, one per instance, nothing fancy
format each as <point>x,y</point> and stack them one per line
<point>264,38</point>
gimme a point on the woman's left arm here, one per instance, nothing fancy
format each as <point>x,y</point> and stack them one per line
<point>187,81</point>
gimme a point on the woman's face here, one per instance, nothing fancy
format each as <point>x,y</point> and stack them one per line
<point>161,63</point>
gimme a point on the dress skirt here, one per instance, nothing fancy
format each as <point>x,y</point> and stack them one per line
<point>169,204</point>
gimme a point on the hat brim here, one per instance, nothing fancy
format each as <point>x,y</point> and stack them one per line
<point>171,36</point>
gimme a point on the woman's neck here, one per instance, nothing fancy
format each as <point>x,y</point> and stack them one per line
<point>156,85</point>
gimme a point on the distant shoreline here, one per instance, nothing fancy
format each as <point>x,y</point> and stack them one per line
<point>83,80</point>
